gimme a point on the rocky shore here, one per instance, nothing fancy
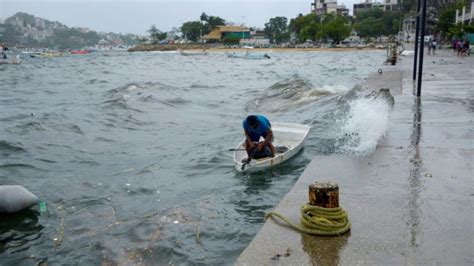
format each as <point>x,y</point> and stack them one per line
<point>167,47</point>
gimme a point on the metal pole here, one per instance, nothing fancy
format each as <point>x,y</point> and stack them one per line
<point>417,34</point>
<point>422,37</point>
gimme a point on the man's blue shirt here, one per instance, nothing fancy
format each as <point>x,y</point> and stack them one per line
<point>260,131</point>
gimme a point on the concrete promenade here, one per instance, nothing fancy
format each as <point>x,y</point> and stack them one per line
<point>411,202</point>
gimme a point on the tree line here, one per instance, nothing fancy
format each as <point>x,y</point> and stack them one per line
<point>312,27</point>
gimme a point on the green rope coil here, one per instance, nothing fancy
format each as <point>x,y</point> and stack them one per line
<point>318,221</point>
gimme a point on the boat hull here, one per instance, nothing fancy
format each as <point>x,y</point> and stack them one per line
<point>290,135</point>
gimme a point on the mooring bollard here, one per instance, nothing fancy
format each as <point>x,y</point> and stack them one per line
<point>324,194</point>
<point>322,214</point>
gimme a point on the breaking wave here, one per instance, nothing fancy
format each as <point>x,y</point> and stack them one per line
<point>365,123</point>
<point>290,94</point>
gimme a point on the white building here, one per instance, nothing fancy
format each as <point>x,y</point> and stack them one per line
<point>466,16</point>
<point>322,7</point>
<point>386,5</point>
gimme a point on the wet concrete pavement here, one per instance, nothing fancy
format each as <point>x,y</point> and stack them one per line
<point>411,201</point>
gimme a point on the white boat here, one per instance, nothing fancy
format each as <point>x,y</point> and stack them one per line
<point>191,53</point>
<point>289,139</point>
<point>14,61</point>
<point>405,53</point>
<point>248,55</point>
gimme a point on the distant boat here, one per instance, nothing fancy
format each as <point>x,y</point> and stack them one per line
<point>191,53</point>
<point>42,54</point>
<point>405,53</point>
<point>79,51</point>
<point>15,61</point>
<point>248,56</point>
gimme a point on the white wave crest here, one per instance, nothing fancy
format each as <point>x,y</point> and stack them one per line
<point>366,123</point>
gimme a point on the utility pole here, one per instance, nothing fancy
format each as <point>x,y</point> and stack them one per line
<point>417,35</point>
<point>420,69</point>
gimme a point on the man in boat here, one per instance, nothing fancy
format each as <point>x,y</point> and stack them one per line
<point>3,51</point>
<point>255,127</point>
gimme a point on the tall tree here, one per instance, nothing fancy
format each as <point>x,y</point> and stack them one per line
<point>376,22</point>
<point>156,35</point>
<point>211,22</point>
<point>193,30</point>
<point>336,28</point>
<point>215,21</point>
<point>204,17</point>
<point>310,32</point>
<point>277,29</point>
<point>306,27</point>
<point>369,28</point>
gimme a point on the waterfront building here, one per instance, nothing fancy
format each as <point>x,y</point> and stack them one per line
<point>386,5</point>
<point>407,34</point>
<point>322,7</point>
<point>342,10</point>
<point>466,15</point>
<point>221,32</point>
<point>172,35</point>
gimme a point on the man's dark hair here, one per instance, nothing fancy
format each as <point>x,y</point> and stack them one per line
<point>252,120</point>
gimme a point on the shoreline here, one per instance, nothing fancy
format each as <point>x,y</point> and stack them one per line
<point>164,48</point>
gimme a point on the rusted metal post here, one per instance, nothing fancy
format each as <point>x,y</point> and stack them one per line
<point>324,194</point>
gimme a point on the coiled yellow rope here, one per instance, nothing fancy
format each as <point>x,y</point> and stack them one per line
<point>318,221</point>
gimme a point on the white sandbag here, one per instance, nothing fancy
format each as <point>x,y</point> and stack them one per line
<point>16,198</point>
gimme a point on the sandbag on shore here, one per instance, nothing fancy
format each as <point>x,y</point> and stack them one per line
<point>16,198</point>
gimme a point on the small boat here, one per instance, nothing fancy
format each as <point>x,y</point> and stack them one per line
<point>42,54</point>
<point>15,61</point>
<point>188,53</point>
<point>248,56</point>
<point>405,53</point>
<point>289,139</point>
<point>80,52</point>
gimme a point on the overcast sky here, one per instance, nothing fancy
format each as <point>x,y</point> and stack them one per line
<point>128,16</point>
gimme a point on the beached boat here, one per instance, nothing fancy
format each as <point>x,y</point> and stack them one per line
<point>248,56</point>
<point>289,139</point>
<point>191,53</point>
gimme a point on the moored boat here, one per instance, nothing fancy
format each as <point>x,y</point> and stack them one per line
<point>289,139</point>
<point>191,53</point>
<point>248,55</point>
<point>14,61</point>
<point>79,51</point>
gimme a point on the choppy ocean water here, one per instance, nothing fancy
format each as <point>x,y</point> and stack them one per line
<point>129,150</point>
